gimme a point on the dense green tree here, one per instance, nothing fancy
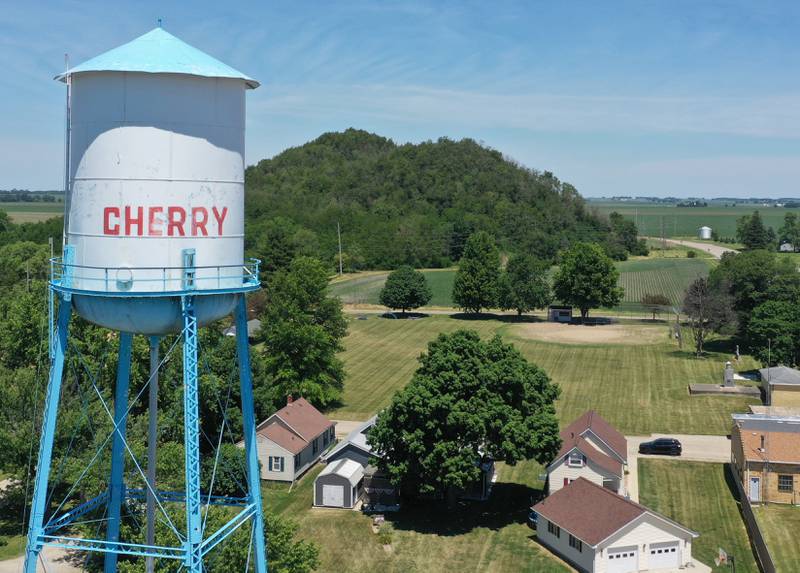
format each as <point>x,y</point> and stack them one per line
<point>708,310</point>
<point>21,261</point>
<point>751,232</point>
<point>587,278</point>
<point>524,285</point>
<point>774,333</point>
<point>412,204</point>
<point>622,240</point>
<point>302,328</point>
<point>475,285</point>
<point>790,230</point>
<point>467,399</point>
<point>406,289</point>
<point>655,302</point>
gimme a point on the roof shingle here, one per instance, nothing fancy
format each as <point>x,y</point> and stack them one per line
<point>591,420</point>
<point>306,421</point>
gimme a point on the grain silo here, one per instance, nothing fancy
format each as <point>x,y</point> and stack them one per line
<point>704,232</point>
<point>154,235</point>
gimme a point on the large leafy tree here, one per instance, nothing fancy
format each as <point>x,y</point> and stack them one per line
<point>587,278</point>
<point>790,230</point>
<point>476,282</point>
<point>708,309</point>
<point>751,232</point>
<point>467,399</point>
<point>774,332</point>
<point>406,289</point>
<point>524,285</point>
<point>302,328</point>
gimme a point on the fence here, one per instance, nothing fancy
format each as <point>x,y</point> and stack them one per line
<point>762,551</point>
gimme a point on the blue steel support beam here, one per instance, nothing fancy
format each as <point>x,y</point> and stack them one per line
<point>50,416</point>
<point>191,431</point>
<point>72,515</point>
<point>116,488</point>
<point>249,428</point>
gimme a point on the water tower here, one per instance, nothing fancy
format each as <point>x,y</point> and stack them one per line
<point>153,235</point>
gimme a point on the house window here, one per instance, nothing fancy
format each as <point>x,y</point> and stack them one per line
<point>786,483</point>
<point>553,529</point>
<point>575,460</point>
<point>276,463</point>
<point>296,462</point>
<point>315,446</point>
<point>575,543</point>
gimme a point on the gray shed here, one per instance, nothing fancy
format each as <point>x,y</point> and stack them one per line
<point>340,484</point>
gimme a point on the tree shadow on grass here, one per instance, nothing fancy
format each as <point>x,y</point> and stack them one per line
<point>508,504</point>
<point>507,318</point>
<point>406,316</point>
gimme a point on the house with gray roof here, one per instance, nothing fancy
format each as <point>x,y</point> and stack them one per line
<point>781,386</point>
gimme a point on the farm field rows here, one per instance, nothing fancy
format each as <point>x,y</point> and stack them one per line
<point>620,381</point>
<point>699,496</point>
<point>31,212</point>
<point>779,524</point>
<point>365,288</point>
<point>685,221</point>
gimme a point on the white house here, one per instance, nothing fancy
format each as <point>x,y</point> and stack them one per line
<point>292,440</point>
<point>598,531</point>
<point>593,449</point>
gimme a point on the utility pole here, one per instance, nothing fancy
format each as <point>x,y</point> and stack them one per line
<point>339,235</point>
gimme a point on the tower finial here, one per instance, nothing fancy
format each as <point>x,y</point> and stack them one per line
<point>159,23</point>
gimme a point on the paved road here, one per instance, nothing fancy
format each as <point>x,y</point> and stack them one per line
<point>54,563</point>
<point>715,250</point>
<point>696,448</point>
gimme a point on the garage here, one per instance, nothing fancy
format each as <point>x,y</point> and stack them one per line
<point>340,484</point>
<point>623,560</point>
<point>664,556</point>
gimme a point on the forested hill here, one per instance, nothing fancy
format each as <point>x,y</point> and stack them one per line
<point>410,203</point>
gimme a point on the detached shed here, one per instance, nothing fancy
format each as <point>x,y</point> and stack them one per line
<point>557,313</point>
<point>340,484</point>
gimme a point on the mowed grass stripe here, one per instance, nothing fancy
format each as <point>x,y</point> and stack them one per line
<point>641,389</point>
<point>780,525</point>
<point>699,496</point>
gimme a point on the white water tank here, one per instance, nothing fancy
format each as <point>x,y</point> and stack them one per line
<point>156,170</point>
<point>704,232</point>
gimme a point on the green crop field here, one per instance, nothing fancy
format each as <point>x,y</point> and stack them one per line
<point>780,524</point>
<point>699,496</point>
<point>31,212</point>
<point>667,276</point>
<point>473,537</point>
<point>364,288</point>
<point>622,381</point>
<point>685,221</point>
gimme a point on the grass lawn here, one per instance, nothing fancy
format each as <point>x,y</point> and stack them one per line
<point>620,381</point>
<point>14,547</point>
<point>32,212</point>
<point>699,496</point>
<point>780,525</point>
<point>473,537</point>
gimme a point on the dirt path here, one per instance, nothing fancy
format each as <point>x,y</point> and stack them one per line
<point>55,562</point>
<point>344,427</point>
<point>715,250</point>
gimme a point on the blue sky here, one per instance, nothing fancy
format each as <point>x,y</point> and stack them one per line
<point>645,97</point>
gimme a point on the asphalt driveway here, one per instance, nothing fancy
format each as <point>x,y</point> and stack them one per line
<point>696,448</point>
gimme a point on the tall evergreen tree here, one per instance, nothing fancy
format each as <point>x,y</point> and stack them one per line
<point>476,281</point>
<point>751,232</point>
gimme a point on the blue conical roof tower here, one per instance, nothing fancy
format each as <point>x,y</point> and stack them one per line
<point>159,52</point>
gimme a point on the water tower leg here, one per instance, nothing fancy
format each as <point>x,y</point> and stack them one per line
<point>117,485</point>
<point>50,413</point>
<point>191,430</point>
<point>152,436</point>
<point>249,427</point>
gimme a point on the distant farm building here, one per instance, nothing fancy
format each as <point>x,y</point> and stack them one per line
<point>253,326</point>
<point>559,313</point>
<point>786,248</point>
<point>704,232</point>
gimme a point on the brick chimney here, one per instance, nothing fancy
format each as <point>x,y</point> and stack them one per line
<point>289,399</point>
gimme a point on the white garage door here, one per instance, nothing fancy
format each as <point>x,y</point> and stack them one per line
<point>333,495</point>
<point>664,556</point>
<point>623,560</point>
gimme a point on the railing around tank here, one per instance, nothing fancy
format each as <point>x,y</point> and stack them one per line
<point>126,281</point>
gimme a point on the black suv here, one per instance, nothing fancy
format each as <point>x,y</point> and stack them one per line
<point>661,446</point>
